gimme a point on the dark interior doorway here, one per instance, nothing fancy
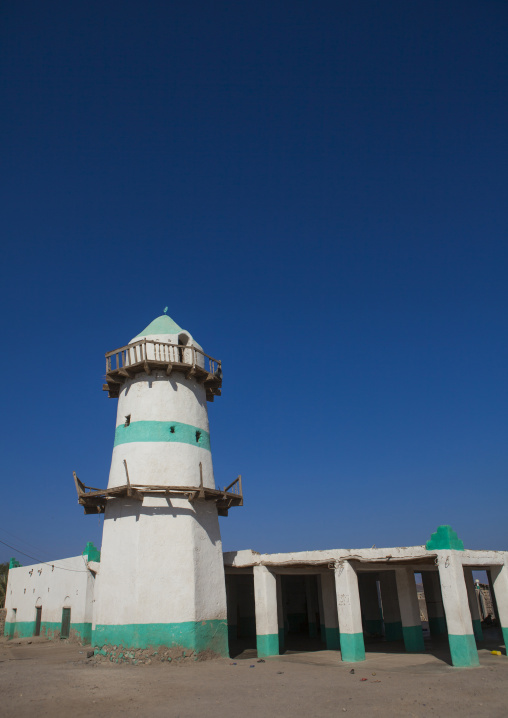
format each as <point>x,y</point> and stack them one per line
<point>38,617</point>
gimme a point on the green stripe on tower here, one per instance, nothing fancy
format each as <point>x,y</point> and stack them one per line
<point>352,647</point>
<point>162,431</point>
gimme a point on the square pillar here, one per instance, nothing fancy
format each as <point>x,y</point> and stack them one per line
<point>267,624</point>
<point>409,610</point>
<point>434,601</point>
<point>390,605</point>
<point>280,613</point>
<point>369,600</point>
<point>232,607</point>
<point>456,606</point>
<point>311,606</point>
<point>331,634</point>
<point>473,603</point>
<point>352,645</point>
<point>499,576</point>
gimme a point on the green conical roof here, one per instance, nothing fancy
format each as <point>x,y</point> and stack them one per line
<point>161,325</point>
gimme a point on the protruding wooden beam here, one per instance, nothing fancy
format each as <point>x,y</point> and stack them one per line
<point>125,372</point>
<point>147,367</point>
<point>169,368</point>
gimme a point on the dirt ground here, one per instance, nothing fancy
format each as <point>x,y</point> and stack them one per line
<point>55,678</point>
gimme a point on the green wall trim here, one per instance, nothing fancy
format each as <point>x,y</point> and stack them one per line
<point>463,650</point>
<point>437,625</point>
<point>332,638</point>
<point>194,635</point>
<point>477,629</point>
<point>153,431</point>
<point>413,638</point>
<point>393,631</point>
<point>49,629</point>
<point>373,626</point>
<point>352,647</point>
<point>267,645</point>
<point>444,538</point>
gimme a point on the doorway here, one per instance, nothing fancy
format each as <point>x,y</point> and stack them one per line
<point>38,616</point>
<point>66,623</point>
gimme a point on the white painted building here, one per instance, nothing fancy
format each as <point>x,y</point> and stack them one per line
<point>162,582</point>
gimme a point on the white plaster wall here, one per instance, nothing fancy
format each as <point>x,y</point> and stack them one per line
<point>157,397</point>
<point>161,562</point>
<point>53,589</point>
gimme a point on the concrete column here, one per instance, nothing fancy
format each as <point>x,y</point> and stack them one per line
<point>321,609</point>
<point>390,604</point>
<point>267,625</point>
<point>232,606</point>
<point>434,601</point>
<point>499,576</point>
<point>280,613</point>
<point>311,606</point>
<point>349,612</point>
<point>409,610</point>
<point>331,634</point>
<point>473,603</point>
<point>456,606</point>
<point>369,600</point>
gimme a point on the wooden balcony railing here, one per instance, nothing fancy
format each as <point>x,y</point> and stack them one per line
<point>148,354</point>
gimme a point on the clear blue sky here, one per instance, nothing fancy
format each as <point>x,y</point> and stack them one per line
<point>318,191</point>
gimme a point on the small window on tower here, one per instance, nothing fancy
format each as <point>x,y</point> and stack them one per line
<point>198,435</point>
<point>127,420</point>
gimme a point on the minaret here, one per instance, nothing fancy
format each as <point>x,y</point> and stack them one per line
<point>161,581</point>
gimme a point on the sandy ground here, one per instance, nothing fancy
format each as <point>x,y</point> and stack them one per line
<point>43,678</point>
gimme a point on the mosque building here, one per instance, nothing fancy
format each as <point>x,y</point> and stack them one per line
<point>161,584</point>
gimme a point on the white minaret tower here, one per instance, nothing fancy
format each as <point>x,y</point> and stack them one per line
<point>161,580</point>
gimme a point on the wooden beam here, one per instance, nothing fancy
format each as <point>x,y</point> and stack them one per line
<point>169,368</point>
<point>124,372</point>
<point>146,367</point>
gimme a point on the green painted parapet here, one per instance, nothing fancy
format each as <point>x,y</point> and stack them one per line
<point>444,538</point>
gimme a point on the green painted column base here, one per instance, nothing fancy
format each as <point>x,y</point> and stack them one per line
<point>282,643</point>
<point>267,645</point>
<point>373,626</point>
<point>194,636</point>
<point>437,625</point>
<point>505,638</point>
<point>393,631</point>
<point>463,650</point>
<point>477,629</point>
<point>413,638</point>
<point>332,637</point>
<point>352,647</point>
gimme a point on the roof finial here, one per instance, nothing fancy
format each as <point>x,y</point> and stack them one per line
<point>165,310</point>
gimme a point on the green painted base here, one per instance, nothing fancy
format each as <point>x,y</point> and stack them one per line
<point>477,629</point>
<point>312,630</point>
<point>373,626</point>
<point>505,638</point>
<point>463,650</point>
<point>49,629</point>
<point>197,636</point>
<point>352,647</point>
<point>332,638</point>
<point>413,638</point>
<point>282,636</point>
<point>437,625</point>
<point>267,645</point>
<point>393,631</point>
